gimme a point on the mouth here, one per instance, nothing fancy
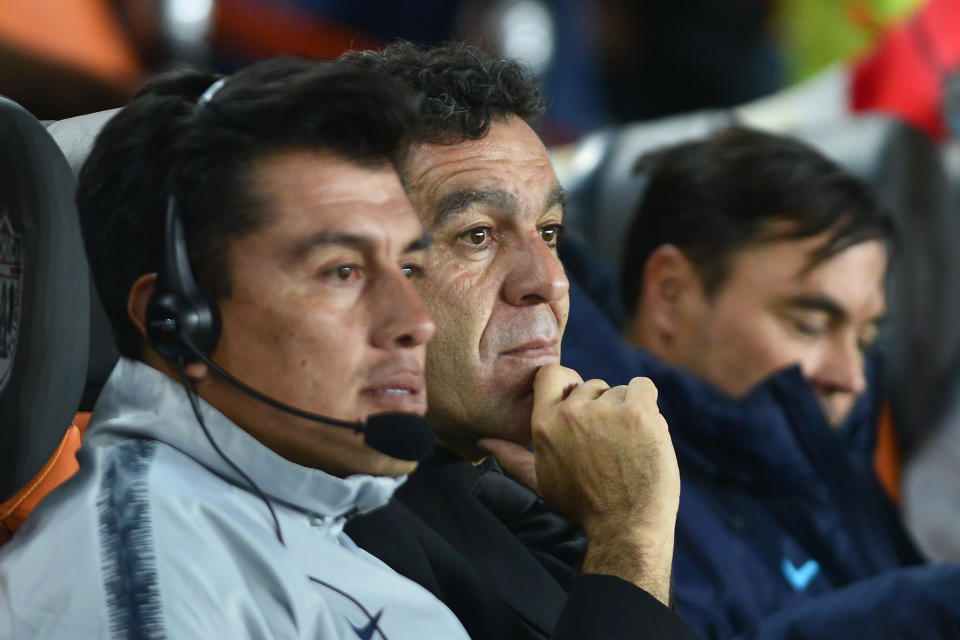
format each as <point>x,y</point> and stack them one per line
<point>402,392</point>
<point>534,349</point>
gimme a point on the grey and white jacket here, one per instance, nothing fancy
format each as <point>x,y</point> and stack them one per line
<point>158,537</point>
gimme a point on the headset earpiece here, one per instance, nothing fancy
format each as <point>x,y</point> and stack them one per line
<point>183,325</point>
<point>178,308</point>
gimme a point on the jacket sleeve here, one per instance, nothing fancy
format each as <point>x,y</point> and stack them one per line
<point>598,606</point>
<point>915,602</point>
<point>603,607</point>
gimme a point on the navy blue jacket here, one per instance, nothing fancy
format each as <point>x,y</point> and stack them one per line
<point>783,530</point>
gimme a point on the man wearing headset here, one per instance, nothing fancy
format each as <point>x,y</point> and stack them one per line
<point>202,510</point>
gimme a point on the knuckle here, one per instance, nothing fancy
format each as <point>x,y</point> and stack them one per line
<point>569,411</point>
<point>567,371</point>
<point>596,383</point>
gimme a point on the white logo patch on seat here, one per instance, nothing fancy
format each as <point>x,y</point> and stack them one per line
<point>11,275</point>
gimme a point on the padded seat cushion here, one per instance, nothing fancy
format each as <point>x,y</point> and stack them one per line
<point>46,312</point>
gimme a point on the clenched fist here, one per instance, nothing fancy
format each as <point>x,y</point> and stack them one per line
<point>603,458</point>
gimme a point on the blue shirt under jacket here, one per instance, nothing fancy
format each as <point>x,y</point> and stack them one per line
<point>783,530</point>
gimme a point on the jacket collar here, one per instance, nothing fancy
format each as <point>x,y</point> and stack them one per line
<point>139,401</point>
<point>767,438</point>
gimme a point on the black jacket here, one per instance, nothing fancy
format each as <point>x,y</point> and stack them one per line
<point>453,528</point>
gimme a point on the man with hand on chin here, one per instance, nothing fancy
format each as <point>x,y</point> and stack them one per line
<point>485,190</point>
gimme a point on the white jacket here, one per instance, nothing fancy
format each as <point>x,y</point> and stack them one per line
<point>157,537</point>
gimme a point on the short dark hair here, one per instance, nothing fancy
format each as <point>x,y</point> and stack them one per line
<point>164,143</point>
<point>464,88</point>
<point>714,196</point>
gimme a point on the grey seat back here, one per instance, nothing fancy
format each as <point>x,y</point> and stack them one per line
<point>44,298</point>
<point>75,136</point>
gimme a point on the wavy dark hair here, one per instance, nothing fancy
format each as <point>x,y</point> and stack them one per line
<point>464,88</point>
<point>164,143</point>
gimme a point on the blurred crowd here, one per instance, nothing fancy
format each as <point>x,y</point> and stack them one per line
<point>603,62</point>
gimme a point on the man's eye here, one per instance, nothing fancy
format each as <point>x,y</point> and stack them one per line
<point>411,270</point>
<point>344,273</point>
<point>551,234</point>
<point>806,328</point>
<point>477,236</point>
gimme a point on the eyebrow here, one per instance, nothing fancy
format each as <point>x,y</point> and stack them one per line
<point>420,244</point>
<point>459,201</point>
<point>352,241</point>
<point>821,303</point>
<point>830,307</point>
<point>556,197</point>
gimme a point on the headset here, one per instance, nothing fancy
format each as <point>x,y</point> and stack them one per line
<point>183,325</point>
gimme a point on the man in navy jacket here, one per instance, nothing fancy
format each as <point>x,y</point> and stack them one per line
<point>753,280</point>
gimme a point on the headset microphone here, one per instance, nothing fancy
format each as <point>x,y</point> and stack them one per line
<point>405,436</point>
<point>183,325</point>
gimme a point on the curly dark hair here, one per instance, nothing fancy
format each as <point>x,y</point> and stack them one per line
<point>464,88</point>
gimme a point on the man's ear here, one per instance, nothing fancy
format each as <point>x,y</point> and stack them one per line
<point>137,301</point>
<point>669,279</point>
<point>140,294</point>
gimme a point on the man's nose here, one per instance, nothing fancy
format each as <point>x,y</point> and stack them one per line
<point>840,369</point>
<point>535,274</point>
<point>404,319</point>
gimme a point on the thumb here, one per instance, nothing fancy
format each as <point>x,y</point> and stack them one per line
<point>517,461</point>
<point>552,384</point>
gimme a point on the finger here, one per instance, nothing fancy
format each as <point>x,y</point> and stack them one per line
<point>617,394</point>
<point>517,461</point>
<point>589,390</point>
<point>552,384</point>
<point>643,391</point>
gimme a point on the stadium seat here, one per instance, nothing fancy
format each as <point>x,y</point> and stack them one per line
<point>94,352</point>
<point>44,298</point>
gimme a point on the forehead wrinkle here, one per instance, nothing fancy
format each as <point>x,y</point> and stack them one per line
<point>459,201</point>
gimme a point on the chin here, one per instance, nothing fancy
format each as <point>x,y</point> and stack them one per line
<point>512,423</point>
<point>836,415</point>
<point>513,378</point>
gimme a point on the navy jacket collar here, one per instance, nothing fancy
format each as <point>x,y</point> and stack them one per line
<point>769,439</point>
